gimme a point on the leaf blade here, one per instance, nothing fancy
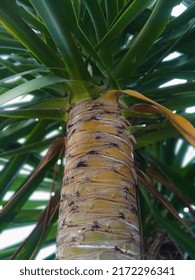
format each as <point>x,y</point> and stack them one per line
<point>147,36</point>
<point>29,86</point>
<point>181,124</point>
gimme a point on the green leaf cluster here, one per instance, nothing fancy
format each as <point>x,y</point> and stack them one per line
<point>55,53</point>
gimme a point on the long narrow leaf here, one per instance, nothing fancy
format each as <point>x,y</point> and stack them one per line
<point>182,238</point>
<point>29,246</point>
<point>53,16</point>
<point>100,26</point>
<point>181,124</point>
<point>72,22</point>
<point>126,18</point>
<point>12,167</point>
<point>174,189</point>
<point>144,180</point>
<point>28,87</point>
<point>111,10</point>
<point>11,19</point>
<point>55,147</point>
<point>36,113</point>
<point>145,39</point>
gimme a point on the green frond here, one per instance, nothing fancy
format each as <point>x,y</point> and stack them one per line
<point>54,54</point>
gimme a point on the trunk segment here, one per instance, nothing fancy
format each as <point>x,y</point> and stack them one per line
<point>98,216</point>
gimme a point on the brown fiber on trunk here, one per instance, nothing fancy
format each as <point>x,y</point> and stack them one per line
<point>98,211</point>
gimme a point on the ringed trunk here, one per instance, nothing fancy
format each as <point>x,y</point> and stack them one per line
<point>98,216</point>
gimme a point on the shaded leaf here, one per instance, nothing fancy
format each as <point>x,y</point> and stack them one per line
<point>181,124</point>
<point>144,180</point>
<point>178,235</point>
<point>29,247</point>
<point>11,19</point>
<point>147,36</point>
<point>55,147</point>
<point>28,87</point>
<point>36,113</point>
<point>61,34</point>
<point>131,11</point>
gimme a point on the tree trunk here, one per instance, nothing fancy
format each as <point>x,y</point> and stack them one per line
<point>98,216</point>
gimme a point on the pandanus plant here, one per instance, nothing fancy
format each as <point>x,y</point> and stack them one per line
<point>92,72</point>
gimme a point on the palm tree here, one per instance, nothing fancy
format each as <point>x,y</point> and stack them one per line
<point>81,65</point>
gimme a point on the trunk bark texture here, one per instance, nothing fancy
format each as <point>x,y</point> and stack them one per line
<point>98,216</point>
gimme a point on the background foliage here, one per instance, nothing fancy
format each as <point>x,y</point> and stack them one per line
<point>48,51</point>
